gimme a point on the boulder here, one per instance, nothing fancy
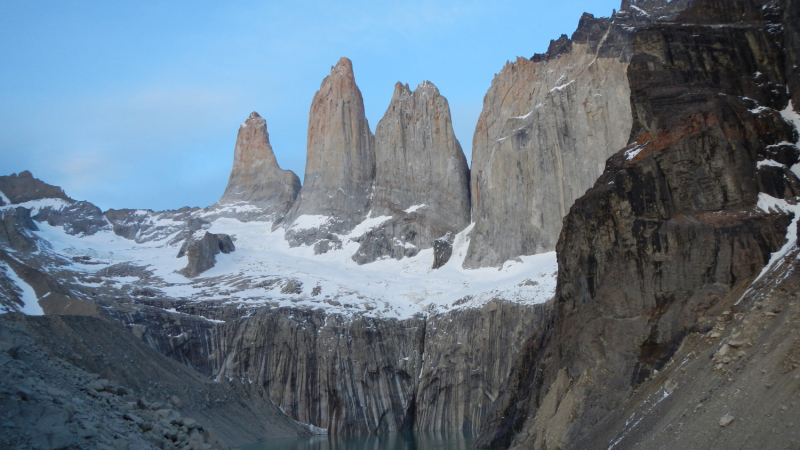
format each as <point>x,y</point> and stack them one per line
<point>200,252</point>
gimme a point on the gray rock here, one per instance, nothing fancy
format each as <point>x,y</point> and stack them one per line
<point>442,250</point>
<point>726,420</point>
<point>146,225</point>
<point>542,139</point>
<point>419,163</point>
<point>292,287</point>
<point>200,252</point>
<point>256,178</point>
<point>340,160</point>
<point>547,127</point>
<point>15,229</point>
<point>76,218</point>
<point>23,187</point>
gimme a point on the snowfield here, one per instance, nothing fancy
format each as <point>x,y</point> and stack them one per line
<point>263,264</point>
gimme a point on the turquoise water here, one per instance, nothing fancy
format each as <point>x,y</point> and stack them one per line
<point>395,441</point>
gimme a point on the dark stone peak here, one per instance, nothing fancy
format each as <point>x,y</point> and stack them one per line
<point>255,115</point>
<point>23,187</point>
<point>557,48</point>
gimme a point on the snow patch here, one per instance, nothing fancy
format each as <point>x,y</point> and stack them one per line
<point>769,163</point>
<point>30,302</point>
<point>630,154</point>
<point>562,87</point>
<point>368,225</point>
<point>308,221</point>
<point>414,208</point>
<point>4,198</point>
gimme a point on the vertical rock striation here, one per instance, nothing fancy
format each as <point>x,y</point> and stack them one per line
<point>422,177</point>
<point>469,354</point>
<point>340,163</point>
<point>547,127</point>
<point>256,177</point>
<point>673,228</point>
<point>346,375</point>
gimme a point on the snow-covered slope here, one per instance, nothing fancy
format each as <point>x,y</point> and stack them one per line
<point>264,270</point>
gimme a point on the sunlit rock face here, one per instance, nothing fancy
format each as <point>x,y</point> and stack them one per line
<point>340,163</point>
<point>547,127</point>
<point>422,178</point>
<point>256,177</point>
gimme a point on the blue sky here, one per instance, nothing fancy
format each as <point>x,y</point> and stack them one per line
<point>137,104</point>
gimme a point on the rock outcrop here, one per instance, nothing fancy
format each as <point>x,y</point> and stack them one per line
<point>23,187</point>
<point>50,204</point>
<point>674,231</point>
<point>422,178</point>
<point>200,252</point>
<point>256,177</point>
<point>547,127</point>
<point>15,229</point>
<point>340,161</point>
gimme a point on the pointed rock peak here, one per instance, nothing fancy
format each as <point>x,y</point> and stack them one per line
<point>256,176</point>
<point>255,119</point>
<point>400,90</point>
<point>427,87</point>
<point>344,66</point>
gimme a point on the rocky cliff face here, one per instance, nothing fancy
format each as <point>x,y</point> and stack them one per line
<point>256,177</point>
<point>350,374</point>
<point>547,127</point>
<point>674,231</point>
<point>456,384</point>
<point>340,160</point>
<point>422,178</point>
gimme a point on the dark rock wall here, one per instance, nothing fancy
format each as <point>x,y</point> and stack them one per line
<point>23,187</point>
<point>669,229</point>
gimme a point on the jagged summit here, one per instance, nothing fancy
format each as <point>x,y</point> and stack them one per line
<point>23,187</point>
<point>256,177</point>
<point>422,178</point>
<point>340,160</point>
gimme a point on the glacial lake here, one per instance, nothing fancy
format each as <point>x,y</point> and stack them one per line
<point>394,441</point>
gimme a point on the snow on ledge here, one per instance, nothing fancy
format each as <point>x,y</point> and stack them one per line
<point>414,208</point>
<point>309,221</point>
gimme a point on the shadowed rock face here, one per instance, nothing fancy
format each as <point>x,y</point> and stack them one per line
<point>546,129</point>
<point>256,177</point>
<point>340,160</point>
<point>419,163</point>
<point>670,234</point>
<point>23,187</point>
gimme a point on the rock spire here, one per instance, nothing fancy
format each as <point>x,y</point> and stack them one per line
<point>340,160</point>
<point>422,177</point>
<point>256,177</point>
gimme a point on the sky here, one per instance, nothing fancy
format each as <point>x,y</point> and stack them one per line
<point>137,104</point>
